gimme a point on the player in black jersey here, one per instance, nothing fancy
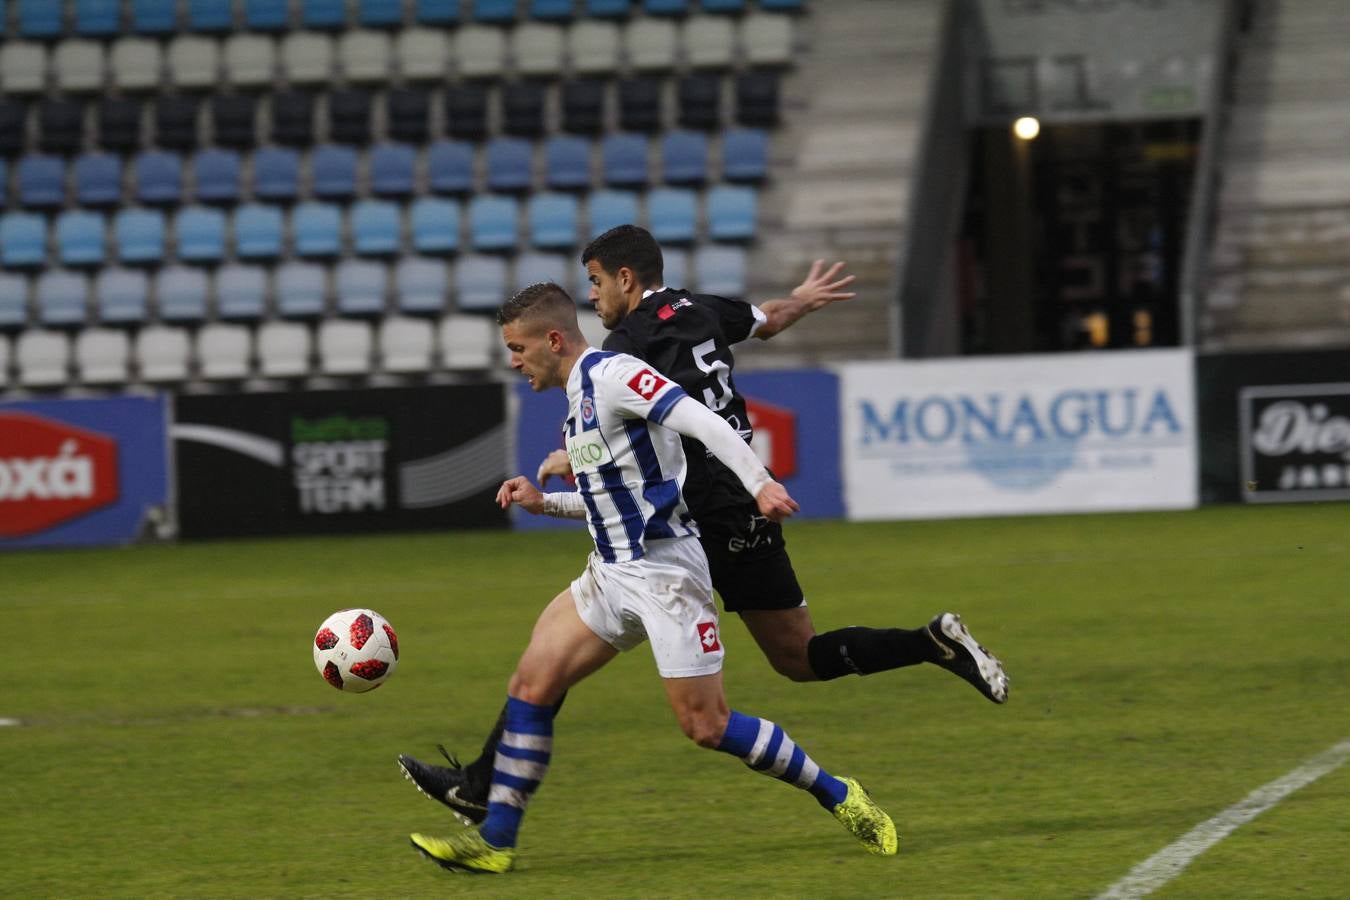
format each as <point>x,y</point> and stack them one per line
<point>688,337</point>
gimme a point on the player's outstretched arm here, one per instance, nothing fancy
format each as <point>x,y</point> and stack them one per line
<point>821,288</point>
<point>518,490</point>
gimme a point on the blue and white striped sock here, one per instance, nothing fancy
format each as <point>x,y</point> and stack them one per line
<point>521,761</point>
<point>765,747</point>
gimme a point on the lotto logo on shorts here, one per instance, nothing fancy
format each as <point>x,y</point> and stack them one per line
<point>707,635</point>
<point>646,383</point>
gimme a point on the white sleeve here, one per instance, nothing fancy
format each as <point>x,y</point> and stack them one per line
<point>565,505</point>
<point>760,319</point>
<point>636,389</point>
<point>694,420</point>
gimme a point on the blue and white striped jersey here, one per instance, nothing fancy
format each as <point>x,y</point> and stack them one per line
<point>628,469</point>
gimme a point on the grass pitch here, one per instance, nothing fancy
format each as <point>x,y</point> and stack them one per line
<point>175,739</point>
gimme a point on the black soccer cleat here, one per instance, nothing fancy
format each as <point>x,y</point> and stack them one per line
<point>960,654</point>
<point>451,785</point>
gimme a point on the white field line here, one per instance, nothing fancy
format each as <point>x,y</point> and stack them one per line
<point>1168,862</point>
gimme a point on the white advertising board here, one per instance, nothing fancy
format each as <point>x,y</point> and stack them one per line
<point>1019,434</point>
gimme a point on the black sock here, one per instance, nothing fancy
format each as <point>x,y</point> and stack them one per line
<point>481,768</point>
<point>862,651</point>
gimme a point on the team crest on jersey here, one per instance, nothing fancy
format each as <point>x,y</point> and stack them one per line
<point>646,384</point>
<point>587,411</point>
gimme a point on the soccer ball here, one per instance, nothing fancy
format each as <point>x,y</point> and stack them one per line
<point>355,650</point>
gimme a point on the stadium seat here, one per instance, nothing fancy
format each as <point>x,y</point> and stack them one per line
<point>199,234</point>
<point>162,354</point>
<point>23,239</point>
<point>583,106</point>
<point>121,296</point>
<point>250,60</point>
<point>283,350</point>
<point>532,268</point>
<point>651,45</point>
<point>606,209</point>
<point>709,42</point>
<point>266,15</point>
<point>616,9</point>
<point>723,6</point>
<point>60,126</point>
<point>241,292</point>
<point>492,222</point>
<point>375,228</point>
<point>745,154</point>
<point>480,283</point>
<point>78,66</point>
<point>349,117</point>
<point>436,12</point>
<point>154,16</point>
<point>509,164</point>
<point>181,292</point>
<point>323,13</point>
<point>176,122</point>
<point>625,160</point>
<point>450,167</point>
<point>434,223</point>
<point>276,173</point>
<point>224,351</point>
<point>593,48</point>
<point>333,169</point>
<point>119,124</point>
<point>405,344</point>
<point>379,13</point>
<point>420,285</point>
<point>700,98</point>
<point>784,5</point>
<point>344,347</point>
<point>408,112</point>
<point>209,15</point>
<point>39,18</point>
<point>466,111</point>
<point>467,343</point>
<point>392,170</point>
<point>41,180</point>
<point>552,9</point>
<point>62,298</point>
<point>676,274</point>
<point>194,62</point>
<point>139,236</point>
<point>301,289</point>
<point>672,214</point>
<point>361,286</point>
<point>316,229</point>
<point>732,212</point>
<point>684,157</point>
<point>479,51</point>
<point>422,54</point>
<point>364,55</point>
<point>538,49</point>
<point>567,162</point>
<point>13,301</point>
<point>102,356</point>
<point>23,67</point>
<point>216,174</point>
<point>43,358</point>
<point>666,7</point>
<point>553,221</point>
<point>135,64</point>
<point>523,109</point>
<point>232,120</point>
<point>720,270</point>
<point>13,115</point>
<point>80,238</point>
<point>766,39</point>
<point>258,231</point>
<point>640,107</point>
<point>494,10</point>
<point>293,118</point>
<point>307,58</point>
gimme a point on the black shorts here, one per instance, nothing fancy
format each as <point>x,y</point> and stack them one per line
<point>748,559</point>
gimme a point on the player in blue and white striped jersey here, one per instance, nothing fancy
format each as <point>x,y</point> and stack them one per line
<point>646,580</point>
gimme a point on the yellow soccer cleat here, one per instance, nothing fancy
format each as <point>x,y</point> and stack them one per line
<point>468,852</point>
<point>868,822</point>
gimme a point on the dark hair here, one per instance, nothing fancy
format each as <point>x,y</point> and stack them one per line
<point>628,246</point>
<point>544,300</point>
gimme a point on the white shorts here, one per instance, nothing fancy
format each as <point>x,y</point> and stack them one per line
<point>665,597</point>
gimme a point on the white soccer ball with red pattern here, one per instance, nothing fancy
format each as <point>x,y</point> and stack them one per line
<point>355,650</point>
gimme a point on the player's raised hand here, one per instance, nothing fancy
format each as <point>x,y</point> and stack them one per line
<point>520,491</point>
<point>824,286</point>
<point>775,502</point>
<point>556,463</point>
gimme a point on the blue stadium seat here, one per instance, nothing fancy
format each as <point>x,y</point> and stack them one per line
<point>532,268</point>
<point>199,233</point>
<point>720,270</point>
<point>552,9</point>
<point>450,167</point>
<point>732,212</point>
<point>139,235</point>
<point>509,164</point>
<point>606,209</point>
<point>553,221</point>
<point>480,283</point>
<point>62,298</point>
<point>4,178</point>
<point>676,273</point>
<point>745,154</point>
<point>785,5</point>
<point>79,238</point>
<point>300,288</point>
<point>98,179</point>
<point>666,7</point>
<point>420,286</point>
<point>380,13</point>
<point>607,9</point>
<point>334,170</point>
<point>492,222</point>
<point>258,231</point>
<point>625,160</point>
<point>41,180</point>
<point>323,13</point>
<point>241,292</point>
<point>159,177</point>
<point>392,170</point>
<point>316,229</point>
<point>375,228</point>
<point>362,286</point>
<point>276,173</point>
<point>436,12</point>
<point>217,176</point>
<point>684,157</point>
<point>120,296</point>
<point>672,214</point>
<point>97,18</point>
<point>23,239</point>
<point>181,294</point>
<point>40,18</point>
<point>435,225</point>
<point>723,6</point>
<point>567,162</point>
<point>209,15</point>
<point>494,10</point>
<point>266,15</point>
<point>13,299</point>
<point>154,16</point>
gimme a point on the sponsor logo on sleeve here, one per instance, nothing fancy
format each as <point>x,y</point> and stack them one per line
<point>646,384</point>
<point>707,636</point>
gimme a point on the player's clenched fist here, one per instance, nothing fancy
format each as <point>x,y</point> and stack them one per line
<point>520,491</point>
<point>775,502</point>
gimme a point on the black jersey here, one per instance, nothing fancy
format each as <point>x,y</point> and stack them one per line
<point>688,338</point>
